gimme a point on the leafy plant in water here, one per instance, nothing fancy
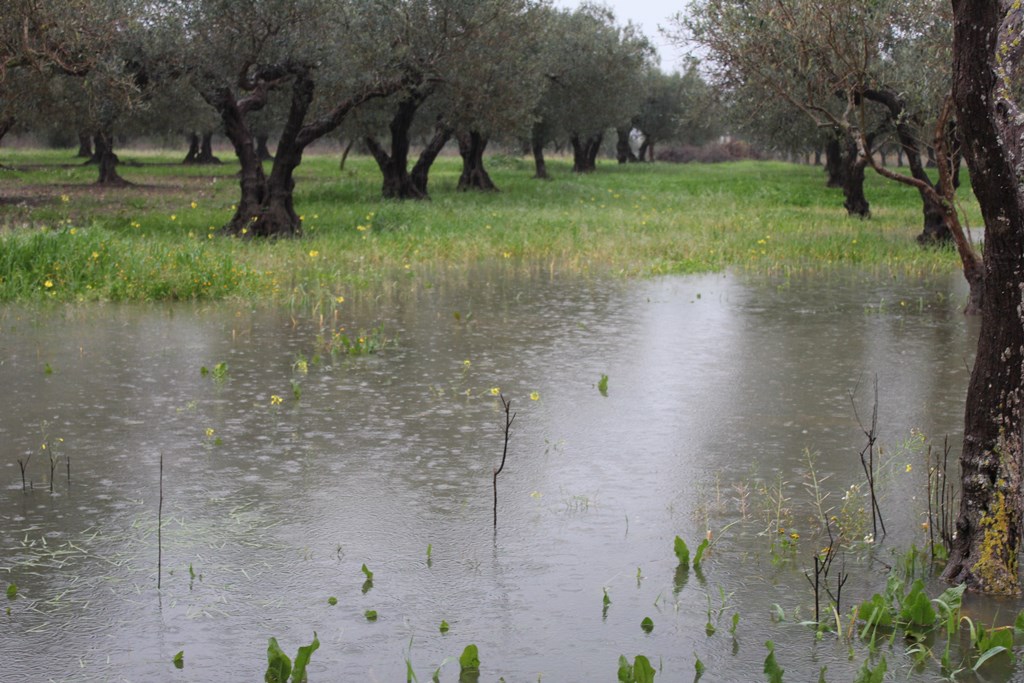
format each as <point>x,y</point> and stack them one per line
<point>602,385</point>
<point>640,671</point>
<point>370,614</point>
<point>12,591</point>
<point>868,675</point>
<point>989,642</point>
<point>771,667</point>
<point>368,584</point>
<point>280,668</point>
<point>219,371</point>
<point>366,342</point>
<point>179,660</point>
<point>469,665</point>
<point>682,552</point>
<point>647,625</point>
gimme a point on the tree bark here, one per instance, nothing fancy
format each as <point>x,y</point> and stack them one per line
<point>193,149</point>
<point>262,150</point>
<point>584,152</point>
<point>84,146</point>
<point>107,160</point>
<point>206,150</point>
<point>537,147</point>
<point>474,176</point>
<point>623,152</point>
<point>834,168</point>
<point>988,528</point>
<point>420,175</point>
<point>853,164</point>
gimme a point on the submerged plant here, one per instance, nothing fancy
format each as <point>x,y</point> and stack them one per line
<point>640,671</point>
<point>281,669</point>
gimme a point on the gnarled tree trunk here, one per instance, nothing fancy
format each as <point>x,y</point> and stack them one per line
<point>474,176</point>
<point>623,152</point>
<point>853,181</point>
<point>107,160</point>
<point>987,545</point>
<point>84,146</point>
<point>193,149</point>
<point>834,168</point>
<point>420,174</point>
<point>537,147</point>
<point>394,165</point>
<point>584,152</point>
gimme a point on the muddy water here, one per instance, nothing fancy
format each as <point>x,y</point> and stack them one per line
<point>718,388</point>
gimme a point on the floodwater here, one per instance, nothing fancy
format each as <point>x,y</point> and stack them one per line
<point>279,485</point>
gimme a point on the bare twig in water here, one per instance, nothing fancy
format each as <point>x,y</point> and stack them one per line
<point>509,418</point>
<point>160,525</point>
<point>941,500</point>
<point>867,461</point>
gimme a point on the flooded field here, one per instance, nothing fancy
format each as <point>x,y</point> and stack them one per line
<point>295,466</point>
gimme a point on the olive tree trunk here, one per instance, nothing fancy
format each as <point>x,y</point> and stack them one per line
<point>584,152</point>
<point>988,528</point>
<point>474,176</point>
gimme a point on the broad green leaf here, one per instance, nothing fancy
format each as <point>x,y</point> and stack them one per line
<point>370,614</point>
<point>699,555</point>
<point>625,670</point>
<point>279,666</point>
<point>771,667</point>
<point>179,660</point>
<point>470,659</point>
<point>875,611</point>
<point>647,625</point>
<point>302,659</point>
<point>643,672</point>
<point>682,552</point>
<point>917,609</point>
<point>369,574</point>
<point>698,665</point>
<point>987,655</point>
<point>444,626</point>
<point>12,591</point>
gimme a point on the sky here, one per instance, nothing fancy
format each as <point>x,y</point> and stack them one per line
<point>648,14</point>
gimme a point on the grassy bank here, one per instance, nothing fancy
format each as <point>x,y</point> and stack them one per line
<point>63,238</point>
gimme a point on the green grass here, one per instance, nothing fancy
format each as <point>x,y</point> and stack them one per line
<point>159,241</point>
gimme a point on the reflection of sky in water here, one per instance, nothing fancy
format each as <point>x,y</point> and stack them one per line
<point>713,383</point>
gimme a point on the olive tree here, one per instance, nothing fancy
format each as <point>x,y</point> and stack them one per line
<point>841,63</point>
<point>471,67</point>
<point>322,59</point>
<point>988,91</point>
<point>594,81</point>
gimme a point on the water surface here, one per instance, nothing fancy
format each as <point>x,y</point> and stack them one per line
<point>717,386</point>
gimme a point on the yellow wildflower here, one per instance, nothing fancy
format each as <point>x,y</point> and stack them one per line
<point>48,284</point>
<point>276,400</point>
<point>339,299</point>
<point>495,391</point>
<point>194,204</point>
<point>209,431</point>
<point>534,396</point>
<point>313,253</point>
